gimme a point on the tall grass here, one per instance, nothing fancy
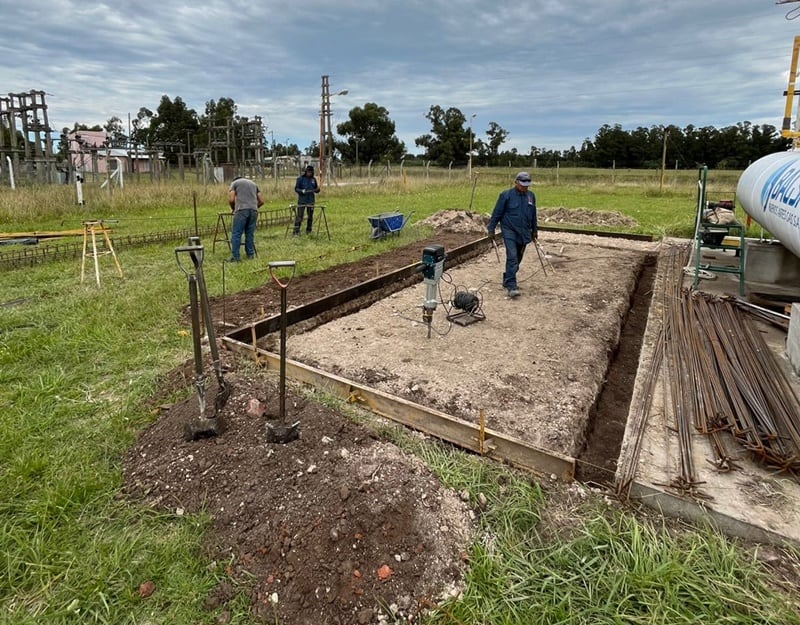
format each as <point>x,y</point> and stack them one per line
<point>614,568</point>
<point>41,207</point>
<point>77,363</point>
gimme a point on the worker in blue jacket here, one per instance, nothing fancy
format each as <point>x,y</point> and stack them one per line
<point>515,211</point>
<point>306,188</point>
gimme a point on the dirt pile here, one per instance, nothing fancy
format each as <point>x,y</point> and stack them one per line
<point>334,527</point>
<point>584,216</point>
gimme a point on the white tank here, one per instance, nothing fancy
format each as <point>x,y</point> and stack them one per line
<point>769,191</point>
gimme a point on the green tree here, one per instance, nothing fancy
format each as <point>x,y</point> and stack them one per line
<point>497,136</point>
<point>286,149</point>
<point>370,136</point>
<point>612,147</point>
<point>171,126</point>
<point>733,147</point>
<point>117,137</point>
<point>217,114</point>
<point>141,126</point>
<point>220,112</point>
<point>764,140</point>
<point>448,141</point>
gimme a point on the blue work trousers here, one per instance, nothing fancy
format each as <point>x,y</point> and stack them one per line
<point>514,253</point>
<point>298,220</point>
<point>244,223</point>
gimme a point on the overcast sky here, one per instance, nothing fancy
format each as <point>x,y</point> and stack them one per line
<point>550,72</point>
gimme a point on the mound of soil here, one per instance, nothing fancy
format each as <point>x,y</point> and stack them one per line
<point>334,527</point>
<point>584,216</point>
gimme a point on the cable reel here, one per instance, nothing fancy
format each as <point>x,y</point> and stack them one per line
<point>469,307</point>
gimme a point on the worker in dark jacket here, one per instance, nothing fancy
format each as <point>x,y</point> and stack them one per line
<point>515,211</point>
<point>306,188</point>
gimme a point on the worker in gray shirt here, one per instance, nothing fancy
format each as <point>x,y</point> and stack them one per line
<point>245,199</point>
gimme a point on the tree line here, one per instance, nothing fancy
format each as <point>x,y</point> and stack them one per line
<point>369,135</point>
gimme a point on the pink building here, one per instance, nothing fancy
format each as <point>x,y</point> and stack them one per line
<point>88,153</point>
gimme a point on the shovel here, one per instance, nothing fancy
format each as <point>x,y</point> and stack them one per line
<point>543,257</point>
<point>280,432</point>
<point>494,245</point>
<point>204,426</point>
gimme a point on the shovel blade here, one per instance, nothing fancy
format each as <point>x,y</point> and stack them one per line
<point>281,433</point>
<point>222,396</point>
<point>203,427</point>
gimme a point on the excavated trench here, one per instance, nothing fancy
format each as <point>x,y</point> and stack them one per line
<point>560,364</point>
<point>597,462</point>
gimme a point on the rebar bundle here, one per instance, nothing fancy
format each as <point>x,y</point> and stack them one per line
<point>721,380</point>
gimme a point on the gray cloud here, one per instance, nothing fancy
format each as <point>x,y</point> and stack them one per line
<point>547,71</point>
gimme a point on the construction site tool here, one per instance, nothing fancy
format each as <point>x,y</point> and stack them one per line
<point>387,223</point>
<point>203,426</point>
<point>432,266</point>
<point>280,432</point>
<point>494,245</point>
<point>472,193</point>
<point>466,308</point>
<point>543,257</point>
<point>90,229</point>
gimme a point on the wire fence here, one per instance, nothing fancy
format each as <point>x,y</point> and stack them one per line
<point>29,252</point>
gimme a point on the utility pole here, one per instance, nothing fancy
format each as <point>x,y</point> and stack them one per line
<point>324,115</point>
<point>663,158</point>
<point>274,165</point>
<point>325,132</point>
<point>469,165</point>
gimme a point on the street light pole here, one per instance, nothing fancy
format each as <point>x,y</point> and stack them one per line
<point>469,166</point>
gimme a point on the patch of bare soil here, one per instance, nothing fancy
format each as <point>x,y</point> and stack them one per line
<point>608,419</point>
<point>533,366</point>
<point>337,526</point>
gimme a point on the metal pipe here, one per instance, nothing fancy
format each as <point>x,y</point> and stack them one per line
<point>10,173</point>
<point>282,412</point>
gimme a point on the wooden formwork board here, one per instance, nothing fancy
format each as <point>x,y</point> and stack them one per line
<point>469,436</point>
<point>271,324</point>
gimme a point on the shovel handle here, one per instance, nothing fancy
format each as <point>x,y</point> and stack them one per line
<point>194,251</point>
<point>275,265</point>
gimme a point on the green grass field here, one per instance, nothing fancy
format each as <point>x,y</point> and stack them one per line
<point>78,361</point>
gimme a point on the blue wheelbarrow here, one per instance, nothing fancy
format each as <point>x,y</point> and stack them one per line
<point>387,223</point>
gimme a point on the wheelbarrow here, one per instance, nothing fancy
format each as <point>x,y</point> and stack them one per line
<point>387,223</point>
